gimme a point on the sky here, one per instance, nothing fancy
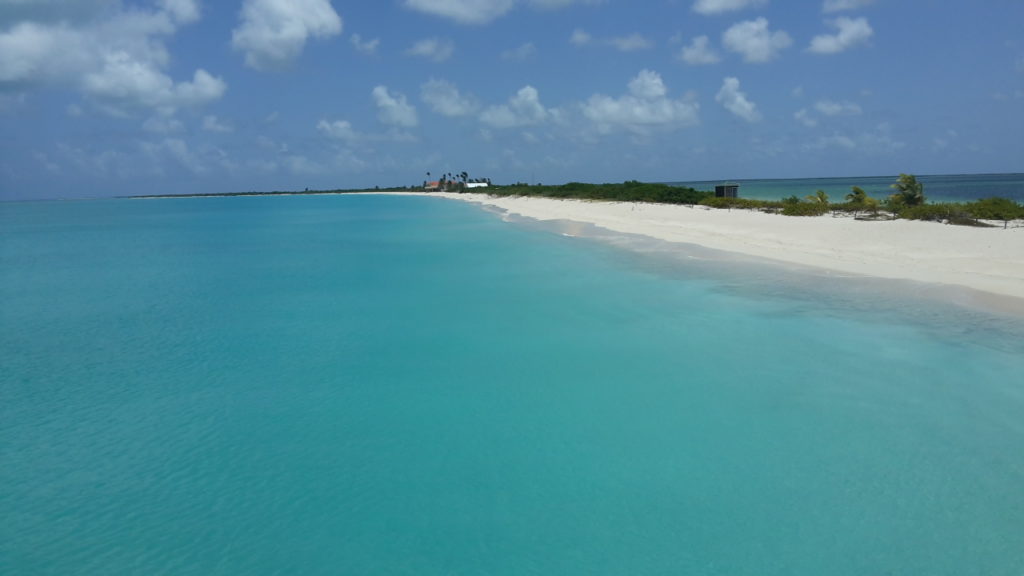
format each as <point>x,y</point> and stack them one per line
<point>117,97</point>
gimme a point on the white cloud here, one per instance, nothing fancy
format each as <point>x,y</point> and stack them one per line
<point>755,41</point>
<point>579,38</point>
<point>464,11</point>
<point>708,7</point>
<point>736,102</point>
<point>302,165</point>
<point>832,108</point>
<point>445,99</point>
<point>481,11</point>
<point>523,52</point>
<point>851,31</point>
<point>213,124</point>
<point>699,52</point>
<point>645,107</point>
<point>631,43</point>
<point>436,49</point>
<point>523,109</point>
<point>367,46</point>
<point>272,33</point>
<point>32,52</point>
<point>162,125</point>
<point>120,60</point>
<point>876,141</point>
<point>805,118</point>
<point>841,5</point>
<point>177,150</point>
<point>338,130</point>
<point>394,110</point>
<point>54,10</point>
<point>184,11</point>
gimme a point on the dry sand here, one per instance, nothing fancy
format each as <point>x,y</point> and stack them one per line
<point>986,259</point>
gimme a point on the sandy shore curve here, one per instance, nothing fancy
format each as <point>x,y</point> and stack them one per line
<point>986,259</point>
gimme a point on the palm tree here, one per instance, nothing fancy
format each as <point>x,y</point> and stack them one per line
<point>857,196</point>
<point>819,197</point>
<point>909,192</point>
<point>858,199</point>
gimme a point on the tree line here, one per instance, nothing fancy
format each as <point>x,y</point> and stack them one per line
<point>908,201</point>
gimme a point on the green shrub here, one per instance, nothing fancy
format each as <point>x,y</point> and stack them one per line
<point>740,203</point>
<point>804,209</point>
<point>995,209</point>
<point>934,212</point>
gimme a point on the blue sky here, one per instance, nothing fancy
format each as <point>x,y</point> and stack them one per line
<point>109,97</point>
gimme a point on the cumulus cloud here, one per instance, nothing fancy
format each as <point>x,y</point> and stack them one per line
<point>464,11</point>
<point>523,52</point>
<point>736,101</point>
<point>481,11</point>
<point>875,141</point>
<point>184,11</point>
<point>120,61</point>
<point>579,38</point>
<point>445,99</point>
<point>272,33</point>
<point>523,109</point>
<point>162,125</point>
<point>31,52</point>
<point>436,49</point>
<point>364,46</point>
<point>54,10</point>
<point>850,32</point>
<point>832,108</point>
<point>213,124</point>
<point>631,43</point>
<point>708,7</point>
<point>804,117</point>
<point>338,130</point>
<point>126,80</point>
<point>645,107</point>
<point>755,41</point>
<point>841,5</point>
<point>699,52</point>
<point>394,110</point>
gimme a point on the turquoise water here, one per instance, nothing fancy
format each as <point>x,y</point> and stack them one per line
<point>383,385</point>
<point>944,188</point>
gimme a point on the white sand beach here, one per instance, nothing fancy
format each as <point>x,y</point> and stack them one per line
<point>986,259</point>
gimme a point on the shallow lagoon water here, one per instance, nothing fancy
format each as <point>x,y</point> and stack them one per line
<point>366,384</point>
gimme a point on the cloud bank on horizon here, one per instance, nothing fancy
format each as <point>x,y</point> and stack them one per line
<point>102,97</point>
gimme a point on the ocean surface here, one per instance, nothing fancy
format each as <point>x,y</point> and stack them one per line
<point>403,385</point>
<point>937,188</point>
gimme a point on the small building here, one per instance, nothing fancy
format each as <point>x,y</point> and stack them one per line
<point>477,184</point>
<point>727,190</point>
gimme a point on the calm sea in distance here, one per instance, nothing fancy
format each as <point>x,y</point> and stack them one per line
<point>948,188</point>
<point>402,385</point>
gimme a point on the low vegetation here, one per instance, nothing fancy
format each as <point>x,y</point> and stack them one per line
<point>908,201</point>
<point>630,191</point>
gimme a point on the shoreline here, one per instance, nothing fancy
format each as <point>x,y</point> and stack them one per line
<point>986,260</point>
